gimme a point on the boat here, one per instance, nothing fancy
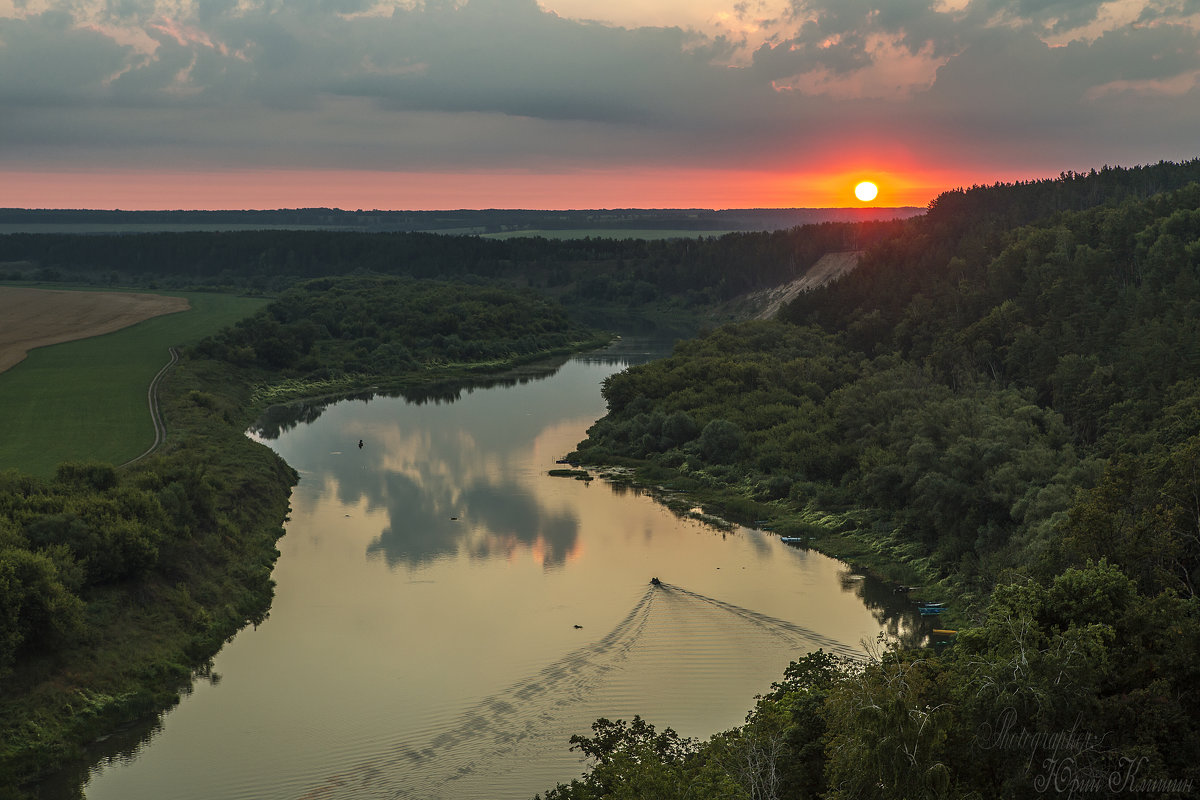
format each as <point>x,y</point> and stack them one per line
<point>791,538</point>
<point>929,611</point>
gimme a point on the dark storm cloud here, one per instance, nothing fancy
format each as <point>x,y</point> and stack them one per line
<point>46,59</point>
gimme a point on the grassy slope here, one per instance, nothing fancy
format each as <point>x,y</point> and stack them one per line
<point>86,400</point>
<point>142,640</point>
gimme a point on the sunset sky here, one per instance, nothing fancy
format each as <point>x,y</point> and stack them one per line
<point>579,103</point>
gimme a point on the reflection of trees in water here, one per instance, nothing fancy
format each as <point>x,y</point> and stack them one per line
<point>635,349</point>
<point>638,348</point>
<point>122,746</point>
<point>894,613</point>
<point>279,419</point>
<point>442,477</point>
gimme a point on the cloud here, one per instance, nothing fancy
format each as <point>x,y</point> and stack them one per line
<point>47,59</point>
<point>439,84</point>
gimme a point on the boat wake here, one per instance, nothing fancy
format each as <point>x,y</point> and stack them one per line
<point>674,644</point>
<point>494,727</point>
<point>775,626</point>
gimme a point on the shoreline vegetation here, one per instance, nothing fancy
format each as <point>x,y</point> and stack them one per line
<point>119,586</point>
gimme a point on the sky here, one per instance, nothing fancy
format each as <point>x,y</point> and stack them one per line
<point>440,104</point>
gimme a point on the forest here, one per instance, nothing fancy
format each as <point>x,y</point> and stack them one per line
<point>612,222</point>
<point>619,274</point>
<point>1001,404</point>
<point>384,326</point>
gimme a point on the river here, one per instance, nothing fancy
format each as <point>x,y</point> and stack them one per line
<point>447,614</point>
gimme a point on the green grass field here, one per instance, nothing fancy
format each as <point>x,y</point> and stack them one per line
<point>86,400</point>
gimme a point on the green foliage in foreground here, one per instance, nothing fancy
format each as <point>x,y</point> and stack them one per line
<point>1083,685</point>
<point>86,400</point>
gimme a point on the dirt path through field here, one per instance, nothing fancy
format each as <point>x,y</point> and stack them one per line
<point>32,318</point>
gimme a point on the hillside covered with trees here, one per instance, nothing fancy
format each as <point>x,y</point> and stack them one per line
<point>1002,403</point>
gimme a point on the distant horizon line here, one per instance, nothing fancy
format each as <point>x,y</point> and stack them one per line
<point>5,209</point>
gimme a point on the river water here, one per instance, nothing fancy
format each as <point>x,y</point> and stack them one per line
<point>447,614</point>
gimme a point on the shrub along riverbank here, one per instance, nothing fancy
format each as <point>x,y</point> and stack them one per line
<point>117,586</point>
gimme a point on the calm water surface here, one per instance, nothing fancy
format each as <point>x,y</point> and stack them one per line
<point>447,615</point>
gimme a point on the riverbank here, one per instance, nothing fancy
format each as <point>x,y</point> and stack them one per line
<point>266,392</point>
<point>858,537</point>
<point>145,641</point>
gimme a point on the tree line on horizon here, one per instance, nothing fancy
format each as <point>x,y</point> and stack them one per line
<point>618,272</point>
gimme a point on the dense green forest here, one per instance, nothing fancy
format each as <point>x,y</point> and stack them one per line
<point>1001,403</point>
<point>384,326</point>
<point>619,273</point>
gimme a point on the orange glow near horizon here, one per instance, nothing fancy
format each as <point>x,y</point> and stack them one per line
<point>416,191</point>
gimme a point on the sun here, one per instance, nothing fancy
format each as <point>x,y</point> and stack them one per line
<point>866,191</point>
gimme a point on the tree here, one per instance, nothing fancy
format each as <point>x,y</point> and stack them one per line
<point>720,441</point>
<point>631,761</point>
<point>35,606</point>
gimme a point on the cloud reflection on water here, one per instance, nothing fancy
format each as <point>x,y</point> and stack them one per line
<point>451,480</point>
<point>491,520</point>
<point>450,466</point>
